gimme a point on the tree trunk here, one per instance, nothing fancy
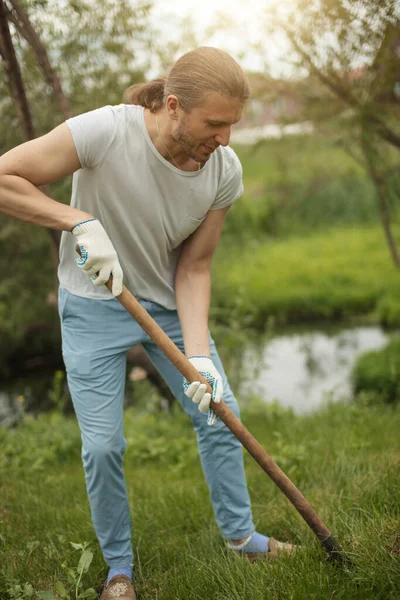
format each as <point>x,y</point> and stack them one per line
<point>35,43</point>
<point>18,94</point>
<point>378,178</point>
<point>14,77</point>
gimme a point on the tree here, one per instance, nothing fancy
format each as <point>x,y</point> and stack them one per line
<point>95,49</point>
<point>350,53</point>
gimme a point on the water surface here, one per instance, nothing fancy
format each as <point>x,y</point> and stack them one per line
<point>303,370</point>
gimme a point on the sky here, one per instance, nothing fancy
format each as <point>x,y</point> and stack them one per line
<point>249,16</point>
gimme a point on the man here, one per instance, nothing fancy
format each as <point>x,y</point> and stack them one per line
<point>153,181</point>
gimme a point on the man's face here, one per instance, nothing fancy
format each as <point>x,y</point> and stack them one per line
<point>208,126</point>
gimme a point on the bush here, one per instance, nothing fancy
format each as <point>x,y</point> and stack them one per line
<point>389,311</point>
<point>300,184</point>
<point>376,374</point>
<point>37,444</point>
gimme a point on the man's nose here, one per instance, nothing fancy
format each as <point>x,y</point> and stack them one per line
<point>223,136</point>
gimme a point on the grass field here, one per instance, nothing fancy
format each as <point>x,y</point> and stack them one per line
<point>303,245</point>
<point>331,275</point>
<point>345,459</point>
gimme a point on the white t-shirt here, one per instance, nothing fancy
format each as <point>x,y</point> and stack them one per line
<point>146,205</point>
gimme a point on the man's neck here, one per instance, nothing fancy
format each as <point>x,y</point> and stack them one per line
<point>165,143</point>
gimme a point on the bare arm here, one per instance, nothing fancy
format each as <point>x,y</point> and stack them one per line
<point>193,282</point>
<point>32,164</point>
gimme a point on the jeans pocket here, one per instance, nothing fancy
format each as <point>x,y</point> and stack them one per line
<point>77,364</point>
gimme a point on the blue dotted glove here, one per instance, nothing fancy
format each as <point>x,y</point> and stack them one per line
<point>197,390</point>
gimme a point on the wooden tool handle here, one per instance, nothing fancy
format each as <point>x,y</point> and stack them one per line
<point>227,416</point>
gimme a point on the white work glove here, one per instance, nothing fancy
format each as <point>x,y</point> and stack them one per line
<point>98,257</point>
<point>197,390</point>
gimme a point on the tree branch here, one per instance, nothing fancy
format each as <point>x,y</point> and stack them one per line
<point>367,113</point>
<point>37,46</point>
<point>17,90</point>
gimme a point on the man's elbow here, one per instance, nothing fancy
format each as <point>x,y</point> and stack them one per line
<point>7,181</point>
<point>194,267</point>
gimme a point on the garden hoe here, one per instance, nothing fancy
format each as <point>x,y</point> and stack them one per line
<point>324,536</point>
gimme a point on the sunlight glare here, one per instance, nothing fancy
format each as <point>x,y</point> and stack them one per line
<point>245,27</point>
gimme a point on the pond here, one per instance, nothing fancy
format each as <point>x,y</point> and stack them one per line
<point>300,368</point>
<point>303,369</point>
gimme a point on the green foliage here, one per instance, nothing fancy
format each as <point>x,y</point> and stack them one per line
<point>389,311</point>
<point>153,444</point>
<point>302,184</point>
<point>344,458</point>
<point>376,375</point>
<point>94,51</point>
<point>73,588</point>
<point>75,574</point>
<point>332,275</point>
<point>58,395</point>
<point>27,278</point>
<point>150,444</point>
<point>57,445</point>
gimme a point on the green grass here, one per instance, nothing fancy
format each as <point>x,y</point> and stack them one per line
<point>332,275</point>
<point>345,459</point>
<point>295,156</point>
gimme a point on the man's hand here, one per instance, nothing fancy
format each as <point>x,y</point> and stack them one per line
<point>197,390</point>
<point>98,257</point>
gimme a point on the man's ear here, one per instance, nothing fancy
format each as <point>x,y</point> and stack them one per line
<point>172,104</point>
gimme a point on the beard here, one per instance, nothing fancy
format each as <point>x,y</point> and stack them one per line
<point>190,144</point>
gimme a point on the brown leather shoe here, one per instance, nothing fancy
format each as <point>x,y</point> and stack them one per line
<point>119,588</point>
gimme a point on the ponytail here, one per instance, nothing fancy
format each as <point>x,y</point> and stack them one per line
<point>150,95</point>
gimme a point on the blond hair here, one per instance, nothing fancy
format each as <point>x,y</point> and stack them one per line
<point>194,75</point>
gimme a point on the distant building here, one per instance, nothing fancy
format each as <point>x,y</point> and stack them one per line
<point>274,110</point>
<point>273,102</point>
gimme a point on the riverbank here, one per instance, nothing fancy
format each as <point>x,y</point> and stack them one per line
<point>344,459</point>
<point>332,275</point>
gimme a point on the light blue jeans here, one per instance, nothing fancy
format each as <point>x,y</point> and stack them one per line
<point>96,335</point>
